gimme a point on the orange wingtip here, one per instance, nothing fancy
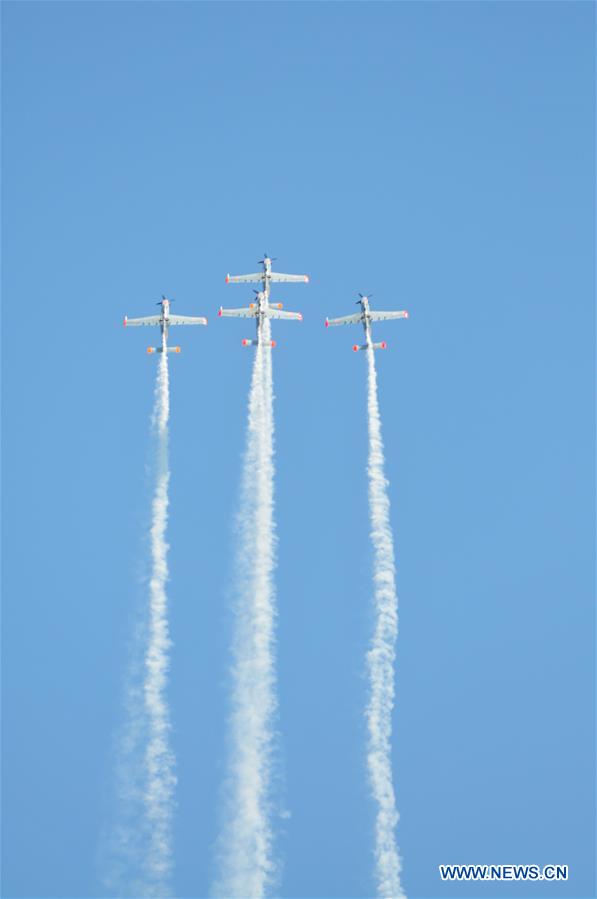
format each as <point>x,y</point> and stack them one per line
<point>355,348</point>
<point>227,279</point>
<point>327,324</point>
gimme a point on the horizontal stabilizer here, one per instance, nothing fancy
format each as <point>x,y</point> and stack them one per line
<point>247,342</point>
<point>374,346</point>
<point>158,349</point>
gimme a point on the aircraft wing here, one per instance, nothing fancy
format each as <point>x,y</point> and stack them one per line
<point>187,320</point>
<point>345,320</point>
<point>299,279</point>
<point>148,320</point>
<point>237,313</point>
<point>279,313</point>
<point>242,279</point>
<point>382,316</point>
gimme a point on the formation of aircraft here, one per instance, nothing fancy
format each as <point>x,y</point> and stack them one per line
<point>164,320</point>
<point>262,309</point>
<point>365,317</point>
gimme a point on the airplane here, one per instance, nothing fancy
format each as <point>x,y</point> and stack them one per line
<point>366,316</point>
<point>262,309</point>
<point>164,320</point>
<point>267,275</point>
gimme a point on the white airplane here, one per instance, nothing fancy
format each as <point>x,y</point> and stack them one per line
<point>262,309</point>
<point>164,320</point>
<point>259,311</point>
<point>366,316</point>
<point>267,276</point>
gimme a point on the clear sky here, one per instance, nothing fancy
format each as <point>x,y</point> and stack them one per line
<point>438,155</point>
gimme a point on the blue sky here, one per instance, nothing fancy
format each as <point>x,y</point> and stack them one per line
<point>438,155</point>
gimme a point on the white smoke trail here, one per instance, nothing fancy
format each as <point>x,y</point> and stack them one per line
<point>380,658</point>
<point>137,857</point>
<point>247,868</point>
<point>159,758</point>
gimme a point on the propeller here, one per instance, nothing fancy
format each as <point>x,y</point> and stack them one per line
<point>363,297</point>
<point>159,303</point>
<point>265,256</point>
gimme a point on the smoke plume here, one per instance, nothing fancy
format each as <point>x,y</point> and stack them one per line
<point>246,864</point>
<point>138,855</point>
<point>381,657</point>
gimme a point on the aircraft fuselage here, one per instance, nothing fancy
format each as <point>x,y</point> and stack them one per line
<point>366,319</point>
